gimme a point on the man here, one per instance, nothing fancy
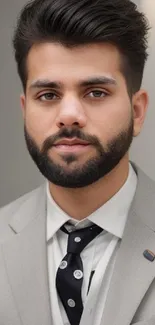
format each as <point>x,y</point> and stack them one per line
<point>80,249</point>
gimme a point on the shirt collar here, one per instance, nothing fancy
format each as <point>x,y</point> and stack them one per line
<point>56,217</point>
<point>111,216</point>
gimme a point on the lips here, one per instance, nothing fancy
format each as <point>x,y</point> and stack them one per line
<point>71,142</point>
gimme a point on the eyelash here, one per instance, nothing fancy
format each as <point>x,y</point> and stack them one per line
<point>52,93</point>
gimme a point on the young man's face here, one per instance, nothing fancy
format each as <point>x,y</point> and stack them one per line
<point>72,108</point>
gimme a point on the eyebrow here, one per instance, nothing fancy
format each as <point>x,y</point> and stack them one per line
<point>45,83</point>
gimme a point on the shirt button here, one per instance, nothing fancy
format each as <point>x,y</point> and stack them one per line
<point>77,239</point>
<point>71,303</point>
<point>63,265</point>
<point>78,274</point>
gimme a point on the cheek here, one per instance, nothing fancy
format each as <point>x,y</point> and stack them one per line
<point>38,124</point>
<point>114,118</point>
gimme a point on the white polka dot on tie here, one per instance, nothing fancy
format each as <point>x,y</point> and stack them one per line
<point>71,303</point>
<point>77,239</point>
<point>78,274</point>
<point>63,265</point>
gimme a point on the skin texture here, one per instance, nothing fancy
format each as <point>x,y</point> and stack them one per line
<point>103,114</point>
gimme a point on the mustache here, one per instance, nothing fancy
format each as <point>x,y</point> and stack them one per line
<point>69,133</point>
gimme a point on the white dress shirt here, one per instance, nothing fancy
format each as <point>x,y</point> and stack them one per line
<point>99,255</point>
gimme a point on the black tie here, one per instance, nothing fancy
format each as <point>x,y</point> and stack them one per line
<point>69,276</point>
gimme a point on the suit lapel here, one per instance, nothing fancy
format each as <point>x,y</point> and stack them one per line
<point>133,273</point>
<point>26,261</point>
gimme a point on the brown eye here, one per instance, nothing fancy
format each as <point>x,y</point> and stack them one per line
<point>47,97</point>
<point>97,94</point>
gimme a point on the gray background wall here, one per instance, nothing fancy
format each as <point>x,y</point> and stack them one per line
<point>18,173</point>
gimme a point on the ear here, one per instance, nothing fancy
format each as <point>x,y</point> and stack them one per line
<point>140,104</point>
<point>23,104</point>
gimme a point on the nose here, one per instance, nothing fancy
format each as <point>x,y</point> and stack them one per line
<point>71,113</point>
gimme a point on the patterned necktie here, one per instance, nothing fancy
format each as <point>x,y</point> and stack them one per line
<point>69,276</point>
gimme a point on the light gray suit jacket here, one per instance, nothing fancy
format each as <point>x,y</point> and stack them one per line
<point>24,288</point>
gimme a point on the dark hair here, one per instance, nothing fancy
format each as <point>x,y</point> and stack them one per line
<point>77,22</point>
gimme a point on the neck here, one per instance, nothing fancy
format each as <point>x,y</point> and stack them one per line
<point>79,203</point>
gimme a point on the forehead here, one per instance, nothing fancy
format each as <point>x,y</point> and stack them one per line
<point>55,61</point>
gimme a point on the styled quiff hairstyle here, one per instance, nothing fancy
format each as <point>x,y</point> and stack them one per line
<point>78,22</point>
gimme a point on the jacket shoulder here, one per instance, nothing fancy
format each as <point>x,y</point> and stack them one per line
<point>7,211</point>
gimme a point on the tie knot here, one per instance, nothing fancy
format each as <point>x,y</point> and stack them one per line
<point>79,239</point>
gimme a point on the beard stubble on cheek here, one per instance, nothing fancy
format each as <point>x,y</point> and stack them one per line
<point>64,174</point>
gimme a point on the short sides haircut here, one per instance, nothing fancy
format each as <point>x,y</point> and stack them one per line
<point>78,22</point>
